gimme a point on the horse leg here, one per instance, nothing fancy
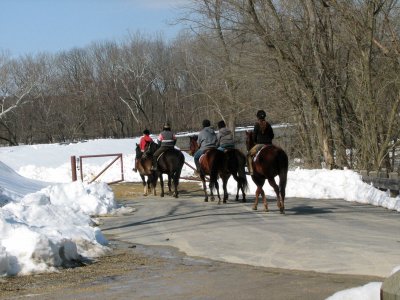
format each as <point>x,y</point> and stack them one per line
<point>224,183</point>
<point>237,191</point>
<point>153,183</point>
<point>144,185</point>
<point>216,185</point>
<point>169,184</point>
<point>264,198</point>
<point>161,185</point>
<point>258,190</point>
<point>243,194</point>
<point>176,183</point>
<point>211,186</point>
<point>279,201</point>
<point>203,180</point>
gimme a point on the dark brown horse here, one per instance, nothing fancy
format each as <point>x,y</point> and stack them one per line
<point>218,164</point>
<point>143,166</point>
<point>269,162</point>
<point>170,162</point>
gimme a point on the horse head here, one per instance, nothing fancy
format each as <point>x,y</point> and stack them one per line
<point>193,146</point>
<point>249,140</point>
<point>138,151</point>
<point>150,149</point>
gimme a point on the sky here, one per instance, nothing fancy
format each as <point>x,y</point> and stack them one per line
<point>34,26</point>
<point>39,202</point>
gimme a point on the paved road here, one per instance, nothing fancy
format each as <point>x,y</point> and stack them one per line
<point>331,236</point>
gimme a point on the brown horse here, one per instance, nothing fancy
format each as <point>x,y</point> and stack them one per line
<point>143,166</point>
<point>269,162</point>
<point>170,162</point>
<point>223,164</point>
<point>212,163</point>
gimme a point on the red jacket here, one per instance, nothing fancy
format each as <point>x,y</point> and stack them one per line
<point>143,141</point>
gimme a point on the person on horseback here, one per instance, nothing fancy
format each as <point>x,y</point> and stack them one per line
<point>144,140</point>
<point>167,140</point>
<point>207,139</point>
<point>263,135</point>
<point>224,137</point>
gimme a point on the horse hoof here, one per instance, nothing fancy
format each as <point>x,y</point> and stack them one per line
<point>244,200</point>
<point>266,210</point>
<point>224,201</point>
<point>205,200</point>
<point>254,207</point>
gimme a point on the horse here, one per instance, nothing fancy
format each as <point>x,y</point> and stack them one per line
<point>236,163</point>
<point>143,166</point>
<point>212,163</point>
<point>170,162</point>
<point>269,162</point>
<point>223,164</point>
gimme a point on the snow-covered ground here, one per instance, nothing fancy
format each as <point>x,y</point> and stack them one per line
<point>47,221</point>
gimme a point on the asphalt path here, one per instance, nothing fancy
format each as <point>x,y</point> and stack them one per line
<point>329,236</point>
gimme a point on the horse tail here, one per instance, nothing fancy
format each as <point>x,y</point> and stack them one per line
<point>283,170</point>
<point>216,166</point>
<point>241,173</point>
<point>179,165</point>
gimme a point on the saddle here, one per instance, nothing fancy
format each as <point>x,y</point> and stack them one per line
<point>204,153</point>
<point>259,151</point>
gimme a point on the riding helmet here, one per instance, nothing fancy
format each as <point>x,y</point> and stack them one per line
<point>146,131</point>
<point>261,114</point>
<point>221,124</point>
<point>206,123</point>
<point>166,126</point>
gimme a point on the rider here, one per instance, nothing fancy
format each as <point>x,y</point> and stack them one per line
<point>263,135</point>
<point>207,139</point>
<point>167,140</point>
<point>224,137</point>
<point>144,140</point>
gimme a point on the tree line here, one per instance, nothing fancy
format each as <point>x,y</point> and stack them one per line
<point>328,67</point>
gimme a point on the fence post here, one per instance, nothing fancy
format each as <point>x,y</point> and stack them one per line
<point>73,168</point>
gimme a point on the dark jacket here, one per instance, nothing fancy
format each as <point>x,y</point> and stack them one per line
<point>225,137</point>
<point>263,133</point>
<point>207,138</point>
<point>167,139</point>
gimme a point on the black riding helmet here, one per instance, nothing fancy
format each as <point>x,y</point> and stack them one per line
<point>221,124</point>
<point>206,123</point>
<point>167,126</point>
<point>146,131</point>
<point>261,114</point>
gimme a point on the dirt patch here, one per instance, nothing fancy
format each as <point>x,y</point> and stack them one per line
<point>131,190</point>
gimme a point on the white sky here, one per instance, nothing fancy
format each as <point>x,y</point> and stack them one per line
<point>38,205</point>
